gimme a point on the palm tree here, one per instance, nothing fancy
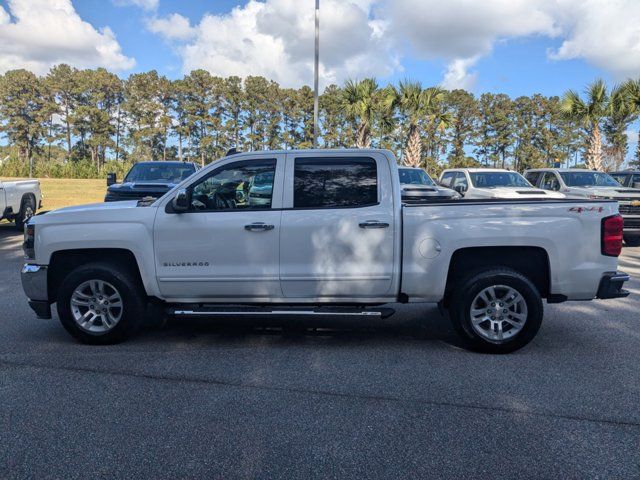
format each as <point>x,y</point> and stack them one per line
<point>360,102</point>
<point>632,89</point>
<point>621,111</point>
<point>418,105</point>
<point>589,113</point>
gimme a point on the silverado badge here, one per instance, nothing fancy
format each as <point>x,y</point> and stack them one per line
<point>635,203</point>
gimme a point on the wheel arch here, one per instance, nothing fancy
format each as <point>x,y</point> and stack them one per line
<point>62,262</point>
<point>532,262</point>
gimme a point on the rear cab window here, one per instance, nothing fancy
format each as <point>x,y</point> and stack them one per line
<point>335,182</point>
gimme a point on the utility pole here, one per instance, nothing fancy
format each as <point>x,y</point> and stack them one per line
<point>315,78</point>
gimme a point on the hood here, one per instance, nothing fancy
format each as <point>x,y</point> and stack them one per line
<point>95,207</point>
<point>612,192</point>
<point>141,187</point>
<point>522,193</point>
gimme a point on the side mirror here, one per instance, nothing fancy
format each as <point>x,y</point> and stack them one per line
<point>111,179</point>
<point>181,201</point>
<point>636,184</point>
<point>460,189</point>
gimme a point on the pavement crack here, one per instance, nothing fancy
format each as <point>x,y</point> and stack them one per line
<point>323,393</point>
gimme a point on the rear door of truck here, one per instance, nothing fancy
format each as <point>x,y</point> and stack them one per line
<point>338,237</point>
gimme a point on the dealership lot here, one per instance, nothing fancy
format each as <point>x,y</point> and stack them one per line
<point>393,399</point>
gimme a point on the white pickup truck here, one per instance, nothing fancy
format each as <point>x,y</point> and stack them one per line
<point>19,200</point>
<point>331,236</point>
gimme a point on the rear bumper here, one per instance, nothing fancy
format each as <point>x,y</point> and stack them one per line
<point>611,285</point>
<point>34,284</point>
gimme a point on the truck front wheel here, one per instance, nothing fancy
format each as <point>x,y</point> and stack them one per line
<point>100,304</point>
<point>496,311</point>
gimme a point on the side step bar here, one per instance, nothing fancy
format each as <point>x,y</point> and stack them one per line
<point>232,311</point>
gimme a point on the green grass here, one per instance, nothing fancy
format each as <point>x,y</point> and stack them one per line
<point>65,192</point>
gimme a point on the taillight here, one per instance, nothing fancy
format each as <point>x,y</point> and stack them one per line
<point>612,235</point>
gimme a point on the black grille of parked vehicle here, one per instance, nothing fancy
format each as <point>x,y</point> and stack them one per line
<point>631,222</point>
<point>629,210</point>
<point>531,192</point>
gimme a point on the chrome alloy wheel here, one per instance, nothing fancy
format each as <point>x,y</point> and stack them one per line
<point>96,306</point>
<point>498,313</point>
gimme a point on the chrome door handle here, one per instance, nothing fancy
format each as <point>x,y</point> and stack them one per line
<point>258,227</point>
<point>373,224</point>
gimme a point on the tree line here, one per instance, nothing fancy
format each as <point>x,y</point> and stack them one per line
<point>89,119</point>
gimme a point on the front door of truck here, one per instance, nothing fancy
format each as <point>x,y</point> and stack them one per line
<point>338,228</point>
<point>225,247</point>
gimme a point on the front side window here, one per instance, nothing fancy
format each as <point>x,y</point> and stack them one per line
<point>239,186</point>
<point>460,181</point>
<point>334,183</point>
<point>446,178</point>
<point>635,181</point>
<point>550,182</point>
<point>533,177</point>
<point>588,179</point>
<point>498,179</point>
<point>620,178</point>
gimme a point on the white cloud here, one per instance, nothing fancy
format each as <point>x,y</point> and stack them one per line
<point>172,27</point>
<point>606,33</point>
<point>458,75</point>
<point>275,39</point>
<point>56,34</point>
<point>150,5</point>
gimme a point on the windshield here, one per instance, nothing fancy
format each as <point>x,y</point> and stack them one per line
<point>159,172</point>
<point>263,180</point>
<point>498,179</point>
<point>415,176</point>
<point>588,179</point>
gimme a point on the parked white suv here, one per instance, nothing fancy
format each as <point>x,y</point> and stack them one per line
<point>19,200</point>
<point>583,183</point>
<point>492,183</point>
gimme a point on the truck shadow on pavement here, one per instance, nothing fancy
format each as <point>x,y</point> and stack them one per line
<point>409,323</point>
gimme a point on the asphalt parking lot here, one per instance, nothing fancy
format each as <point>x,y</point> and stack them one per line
<point>337,399</point>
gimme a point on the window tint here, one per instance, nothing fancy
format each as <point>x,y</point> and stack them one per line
<point>335,183</point>
<point>588,179</point>
<point>414,176</point>
<point>239,186</point>
<point>635,181</point>
<point>461,180</point>
<point>533,177</point>
<point>619,177</point>
<point>446,178</point>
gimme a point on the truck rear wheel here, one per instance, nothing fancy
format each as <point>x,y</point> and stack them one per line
<point>101,304</point>
<point>496,311</point>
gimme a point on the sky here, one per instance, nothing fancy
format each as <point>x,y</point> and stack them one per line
<point>518,47</point>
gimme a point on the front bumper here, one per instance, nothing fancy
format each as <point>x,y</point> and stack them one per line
<point>611,285</point>
<point>34,284</point>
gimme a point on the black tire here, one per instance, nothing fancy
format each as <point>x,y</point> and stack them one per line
<point>27,210</point>
<point>465,293</point>
<point>632,240</point>
<point>127,285</point>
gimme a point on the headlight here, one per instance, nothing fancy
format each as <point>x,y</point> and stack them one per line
<point>29,241</point>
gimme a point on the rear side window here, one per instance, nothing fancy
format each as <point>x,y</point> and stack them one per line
<point>327,183</point>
